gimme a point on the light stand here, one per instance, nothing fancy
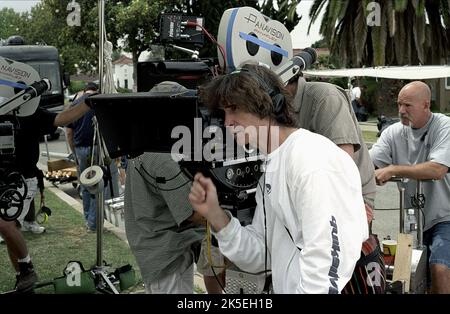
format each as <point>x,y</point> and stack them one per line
<point>101,277</point>
<point>92,178</point>
<point>103,283</point>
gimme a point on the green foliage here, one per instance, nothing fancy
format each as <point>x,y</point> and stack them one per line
<point>410,31</point>
<point>340,81</point>
<point>123,90</point>
<point>76,86</point>
<point>135,22</point>
<point>322,43</point>
<point>286,12</point>
<point>10,23</point>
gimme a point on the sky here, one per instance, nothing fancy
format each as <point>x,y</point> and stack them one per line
<point>299,37</point>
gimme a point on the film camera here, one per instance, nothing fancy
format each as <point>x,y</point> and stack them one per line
<point>20,90</point>
<point>13,188</point>
<point>134,123</point>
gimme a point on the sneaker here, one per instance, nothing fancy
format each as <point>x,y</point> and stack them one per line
<point>90,230</point>
<point>33,227</point>
<point>1,240</point>
<point>26,282</point>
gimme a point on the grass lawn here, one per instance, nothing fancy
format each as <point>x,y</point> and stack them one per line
<point>369,136</point>
<point>65,240</point>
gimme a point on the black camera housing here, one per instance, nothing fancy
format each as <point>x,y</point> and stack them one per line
<point>174,29</point>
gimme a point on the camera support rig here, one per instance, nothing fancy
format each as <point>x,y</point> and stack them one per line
<point>20,90</point>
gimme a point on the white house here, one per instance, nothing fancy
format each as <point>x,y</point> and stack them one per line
<point>123,72</point>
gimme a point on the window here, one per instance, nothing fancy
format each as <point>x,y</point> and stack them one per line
<point>447,83</point>
<point>50,70</point>
<point>126,83</point>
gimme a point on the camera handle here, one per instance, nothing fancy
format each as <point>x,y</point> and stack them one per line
<point>194,53</point>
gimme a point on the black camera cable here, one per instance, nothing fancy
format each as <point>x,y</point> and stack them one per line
<point>264,207</point>
<point>158,180</point>
<point>209,244</point>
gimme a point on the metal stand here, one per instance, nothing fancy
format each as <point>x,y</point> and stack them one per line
<point>418,277</point>
<point>101,277</point>
<point>103,283</point>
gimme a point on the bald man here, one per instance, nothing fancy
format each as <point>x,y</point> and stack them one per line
<point>418,147</point>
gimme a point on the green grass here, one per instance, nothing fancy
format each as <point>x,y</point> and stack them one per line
<point>65,240</point>
<point>369,136</point>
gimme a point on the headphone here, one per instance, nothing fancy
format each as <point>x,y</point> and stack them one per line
<point>278,99</point>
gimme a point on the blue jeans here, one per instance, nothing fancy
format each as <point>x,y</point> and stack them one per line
<point>437,240</point>
<point>89,200</point>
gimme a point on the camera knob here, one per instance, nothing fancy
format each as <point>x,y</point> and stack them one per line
<point>229,173</point>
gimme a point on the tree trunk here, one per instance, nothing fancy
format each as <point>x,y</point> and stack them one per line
<point>135,62</point>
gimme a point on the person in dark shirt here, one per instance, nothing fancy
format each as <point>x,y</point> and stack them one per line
<point>80,134</point>
<point>27,131</point>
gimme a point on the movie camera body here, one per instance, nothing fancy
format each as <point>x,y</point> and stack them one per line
<point>20,90</point>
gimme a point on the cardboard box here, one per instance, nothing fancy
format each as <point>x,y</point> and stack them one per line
<point>59,164</point>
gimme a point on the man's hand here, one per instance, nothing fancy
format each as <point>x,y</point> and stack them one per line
<point>203,198</point>
<point>382,175</point>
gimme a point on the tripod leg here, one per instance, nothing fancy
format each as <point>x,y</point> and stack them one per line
<point>108,282</point>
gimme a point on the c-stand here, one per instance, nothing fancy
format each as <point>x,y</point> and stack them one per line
<point>93,179</point>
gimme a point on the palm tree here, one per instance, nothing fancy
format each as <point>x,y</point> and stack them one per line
<point>409,32</point>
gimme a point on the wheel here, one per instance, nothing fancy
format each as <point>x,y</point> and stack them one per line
<point>12,205</point>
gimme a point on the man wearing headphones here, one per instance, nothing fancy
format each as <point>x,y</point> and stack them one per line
<point>325,109</point>
<point>305,227</point>
<point>80,136</point>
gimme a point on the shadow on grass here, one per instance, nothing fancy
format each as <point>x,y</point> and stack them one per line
<point>65,240</point>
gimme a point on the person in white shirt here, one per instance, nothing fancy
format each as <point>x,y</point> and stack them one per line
<point>418,147</point>
<point>357,104</point>
<point>305,228</point>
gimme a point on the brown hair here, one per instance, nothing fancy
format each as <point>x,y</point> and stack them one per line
<point>244,90</point>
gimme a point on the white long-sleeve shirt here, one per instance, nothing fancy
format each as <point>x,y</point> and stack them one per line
<point>313,189</point>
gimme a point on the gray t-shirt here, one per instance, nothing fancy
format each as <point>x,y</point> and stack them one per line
<point>326,109</point>
<point>402,145</point>
<point>153,216</point>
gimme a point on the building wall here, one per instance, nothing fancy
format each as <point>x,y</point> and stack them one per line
<point>123,73</point>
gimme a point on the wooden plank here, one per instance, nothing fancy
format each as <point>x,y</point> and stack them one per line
<point>403,255</point>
